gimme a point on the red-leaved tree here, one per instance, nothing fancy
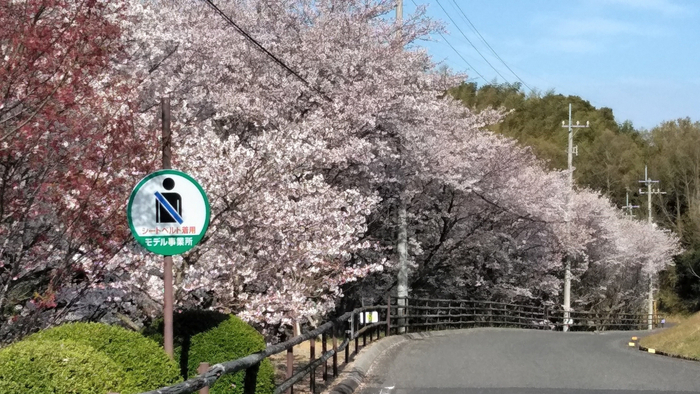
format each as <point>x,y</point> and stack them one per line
<point>68,151</point>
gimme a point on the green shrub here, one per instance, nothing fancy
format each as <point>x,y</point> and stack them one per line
<point>58,367</point>
<point>230,340</point>
<point>146,365</point>
<point>207,336</point>
<point>186,324</point>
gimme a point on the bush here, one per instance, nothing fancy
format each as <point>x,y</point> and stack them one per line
<point>207,336</point>
<point>147,367</point>
<point>230,340</point>
<point>58,367</point>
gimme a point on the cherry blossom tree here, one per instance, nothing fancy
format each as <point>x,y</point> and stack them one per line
<point>305,176</point>
<point>504,234</point>
<point>290,172</point>
<point>623,256</point>
<point>67,147</point>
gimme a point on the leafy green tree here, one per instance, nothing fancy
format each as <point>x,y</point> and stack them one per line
<point>674,157</point>
<point>611,159</point>
<point>610,155</point>
<point>611,163</point>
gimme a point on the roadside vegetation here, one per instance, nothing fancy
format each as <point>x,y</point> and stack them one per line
<point>683,339</point>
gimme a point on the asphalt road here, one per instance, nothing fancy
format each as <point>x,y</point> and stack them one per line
<point>509,361</point>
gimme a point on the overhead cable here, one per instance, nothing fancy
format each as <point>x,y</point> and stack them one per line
<point>489,46</point>
<point>460,55</point>
<point>470,42</point>
<point>265,51</point>
<point>457,52</point>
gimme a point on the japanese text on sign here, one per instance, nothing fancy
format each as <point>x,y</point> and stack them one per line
<point>144,231</point>
<point>171,241</point>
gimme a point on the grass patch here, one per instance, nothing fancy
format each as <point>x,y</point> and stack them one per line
<point>682,339</point>
<point>677,318</point>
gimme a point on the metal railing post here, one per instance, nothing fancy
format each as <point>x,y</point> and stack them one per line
<point>290,367</point>
<point>312,357</point>
<point>348,336</point>
<point>388,315</point>
<point>204,367</point>
<point>251,379</point>
<point>324,349</point>
<point>335,352</point>
<point>352,334</point>
<point>357,344</point>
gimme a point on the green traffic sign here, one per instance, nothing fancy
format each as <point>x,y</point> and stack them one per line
<point>168,212</point>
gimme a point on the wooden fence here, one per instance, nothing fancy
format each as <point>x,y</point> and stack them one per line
<point>418,314</point>
<point>398,316</point>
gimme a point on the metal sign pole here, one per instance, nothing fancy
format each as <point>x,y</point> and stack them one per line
<point>168,214</point>
<point>167,260</point>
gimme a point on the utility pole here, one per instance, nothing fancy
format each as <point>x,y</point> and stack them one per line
<point>567,217</point>
<point>629,207</point>
<point>399,11</point>
<point>402,241</point>
<point>649,192</point>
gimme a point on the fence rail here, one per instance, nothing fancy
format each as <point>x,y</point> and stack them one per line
<point>416,314</point>
<point>398,316</point>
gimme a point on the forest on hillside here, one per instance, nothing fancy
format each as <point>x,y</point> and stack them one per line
<point>611,158</point>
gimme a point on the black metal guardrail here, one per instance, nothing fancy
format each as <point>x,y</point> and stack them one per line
<point>399,316</point>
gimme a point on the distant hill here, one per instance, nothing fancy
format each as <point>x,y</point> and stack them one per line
<point>611,158</point>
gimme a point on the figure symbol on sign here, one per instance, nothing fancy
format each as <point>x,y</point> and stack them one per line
<point>168,205</point>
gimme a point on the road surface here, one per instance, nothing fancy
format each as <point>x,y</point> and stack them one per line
<point>510,361</point>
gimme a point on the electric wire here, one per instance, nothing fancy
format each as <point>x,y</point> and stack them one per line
<point>456,51</point>
<point>460,55</point>
<point>469,41</point>
<point>489,46</point>
<point>265,51</point>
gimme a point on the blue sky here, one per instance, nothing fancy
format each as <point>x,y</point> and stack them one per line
<point>639,57</point>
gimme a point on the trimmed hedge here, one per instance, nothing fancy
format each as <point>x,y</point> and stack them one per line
<point>207,336</point>
<point>58,367</point>
<point>147,367</point>
<point>230,340</point>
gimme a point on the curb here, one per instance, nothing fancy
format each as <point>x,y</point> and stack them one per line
<point>352,377</point>
<point>635,341</point>
<point>660,353</point>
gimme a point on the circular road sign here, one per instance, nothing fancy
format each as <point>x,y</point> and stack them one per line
<point>168,212</point>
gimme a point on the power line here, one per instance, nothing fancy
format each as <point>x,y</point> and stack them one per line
<point>456,51</point>
<point>265,51</point>
<point>470,42</point>
<point>489,46</point>
<point>460,55</point>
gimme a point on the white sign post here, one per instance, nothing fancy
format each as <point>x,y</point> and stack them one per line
<point>168,212</point>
